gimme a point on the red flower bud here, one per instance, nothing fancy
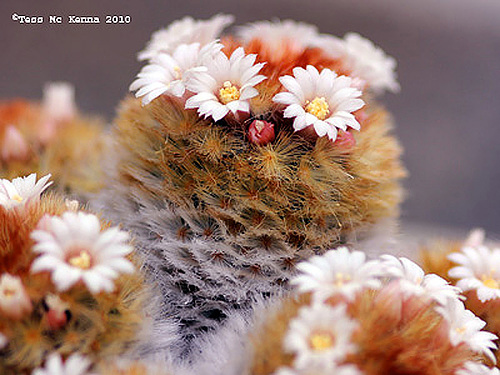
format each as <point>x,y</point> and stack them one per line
<point>345,140</point>
<point>261,132</point>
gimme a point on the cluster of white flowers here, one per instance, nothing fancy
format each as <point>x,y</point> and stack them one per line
<point>344,274</point>
<point>73,248</point>
<point>186,61</point>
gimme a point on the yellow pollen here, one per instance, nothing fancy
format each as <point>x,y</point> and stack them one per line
<point>82,260</point>
<point>321,341</point>
<point>228,93</point>
<point>17,198</point>
<point>341,279</point>
<point>8,293</point>
<point>318,107</point>
<point>490,282</point>
<point>177,72</point>
<point>460,330</point>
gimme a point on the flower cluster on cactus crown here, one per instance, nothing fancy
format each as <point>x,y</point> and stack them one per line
<point>319,337</point>
<point>186,61</point>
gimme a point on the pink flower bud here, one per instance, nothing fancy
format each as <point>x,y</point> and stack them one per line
<point>345,140</point>
<point>56,313</point>
<point>14,146</point>
<point>261,132</point>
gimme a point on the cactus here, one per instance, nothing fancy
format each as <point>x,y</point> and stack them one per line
<point>44,243</point>
<point>226,191</point>
<point>52,136</point>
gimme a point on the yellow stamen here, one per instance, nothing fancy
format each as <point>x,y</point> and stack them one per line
<point>490,282</point>
<point>460,330</point>
<point>228,93</point>
<point>17,198</point>
<point>318,107</point>
<point>8,293</point>
<point>321,341</point>
<point>82,260</point>
<point>177,72</point>
<point>341,279</point>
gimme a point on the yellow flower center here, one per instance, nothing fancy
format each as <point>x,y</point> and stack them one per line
<point>82,260</point>
<point>318,107</point>
<point>17,198</point>
<point>460,330</point>
<point>341,279</point>
<point>320,341</point>
<point>490,282</point>
<point>9,292</point>
<point>228,93</point>
<point>177,72</point>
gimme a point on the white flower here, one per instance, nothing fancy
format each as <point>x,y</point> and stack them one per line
<point>278,34</point>
<point>167,73</point>
<point>337,272</point>
<point>414,281</point>
<point>185,31</point>
<point>59,101</point>
<point>465,327</point>
<point>76,364</point>
<point>320,336</point>
<point>22,190</point>
<point>322,100</point>
<point>73,248</point>
<point>14,301</point>
<point>226,85</point>
<point>369,63</point>
<point>474,368</point>
<point>479,270</point>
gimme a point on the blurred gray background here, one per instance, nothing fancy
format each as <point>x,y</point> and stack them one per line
<point>447,114</point>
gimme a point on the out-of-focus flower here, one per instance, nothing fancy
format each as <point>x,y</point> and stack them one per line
<point>323,100</point>
<point>337,272</point>
<point>226,85</point>
<point>57,311</point>
<point>185,31</point>
<point>14,146</point>
<point>465,327</point>
<point>14,301</point>
<point>320,336</point>
<point>22,190</point>
<point>414,281</point>
<point>76,364</point>
<point>279,34</point>
<point>479,270</point>
<point>166,74</point>
<point>73,248</point>
<point>261,132</point>
<point>59,101</point>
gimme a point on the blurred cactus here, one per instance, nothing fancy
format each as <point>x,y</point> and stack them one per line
<point>52,136</point>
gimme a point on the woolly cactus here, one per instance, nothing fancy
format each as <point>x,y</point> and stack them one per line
<point>67,281</point>
<point>52,136</point>
<point>247,156</point>
<point>372,318</point>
